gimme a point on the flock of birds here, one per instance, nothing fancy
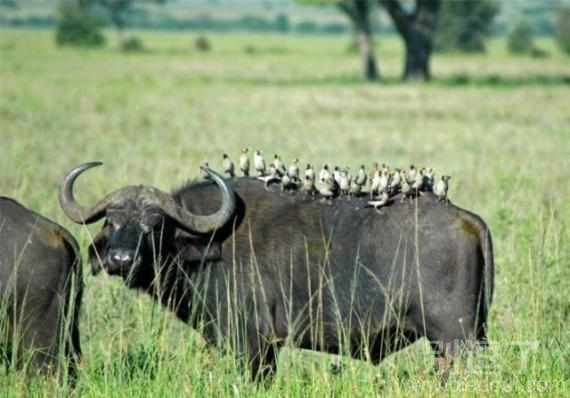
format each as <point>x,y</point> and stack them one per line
<point>384,182</point>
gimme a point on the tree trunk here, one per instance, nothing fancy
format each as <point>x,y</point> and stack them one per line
<point>366,47</point>
<point>365,42</point>
<point>417,30</point>
<point>358,11</point>
<point>418,52</point>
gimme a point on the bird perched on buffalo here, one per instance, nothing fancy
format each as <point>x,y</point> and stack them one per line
<point>244,162</point>
<point>287,183</point>
<point>375,183</point>
<point>293,170</point>
<point>204,175</point>
<point>325,173</point>
<point>382,200</point>
<point>395,181</point>
<point>384,179</point>
<point>441,187</point>
<point>429,179</point>
<point>412,174</point>
<point>418,183</point>
<point>373,170</point>
<point>336,175</point>
<point>270,177</point>
<point>279,165</point>
<point>361,176</point>
<point>328,188</point>
<point>228,166</point>
<point>355,188</point>
<point>405,188</point>
<point>309,181</point>
<point>344,180</point>
<point>259,162</point>
<point>310,172</point>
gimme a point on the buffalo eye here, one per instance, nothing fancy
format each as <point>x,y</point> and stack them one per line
<point>150,220</point>
<point>115,219</point>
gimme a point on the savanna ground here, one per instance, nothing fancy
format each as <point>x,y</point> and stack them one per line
<point>498,124</point>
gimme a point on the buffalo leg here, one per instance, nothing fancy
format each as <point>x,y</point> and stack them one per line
<point>448,343</point>
<point>263,363</point>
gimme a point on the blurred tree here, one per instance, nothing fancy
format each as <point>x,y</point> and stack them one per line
<point>465,24</point>
<point>117,11</point>
<point>358,12</point>
<point>417,28</point>
<point>563,29</point>
<point>282,22</point>
<point>77,25</point>
<point>520,38</point>
<point>9,4</point>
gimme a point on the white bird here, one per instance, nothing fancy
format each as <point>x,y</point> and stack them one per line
<point>279,166</point>
<point>309,186</point>
<point>270,177</point>
<point>375,183</point>
<point>287,183</point>
<point>382,201</point>
<point>204,175</point>
<point>310,173</point>
<point>244,162</point>
<point>355,188</point>
<point>384,180</point>
<point>361,176</point>
<point>429,179</point>
<point>412,174</point>
<point>309,181</point>
<point>336,175</point>
<point>418,183</point>
<point>395,181</point>
<point>441,187</point>
<point>325,173</point>
<point>373,170</point>
<point>228,165</point>
<point>327,188</point>
<point>293,170</point>
<point>344,182</point>
<point>259,162</point>
<point>405,189</point>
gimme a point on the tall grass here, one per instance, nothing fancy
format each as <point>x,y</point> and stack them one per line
<point>499,125</point>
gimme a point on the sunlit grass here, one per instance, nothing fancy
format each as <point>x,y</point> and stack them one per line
<point>498,124</point>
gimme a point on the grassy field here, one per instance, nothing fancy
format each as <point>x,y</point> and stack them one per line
<point>498,124</point>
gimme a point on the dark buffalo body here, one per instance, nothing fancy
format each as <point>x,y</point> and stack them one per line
<point>40,289</point>
<point>335,277</point>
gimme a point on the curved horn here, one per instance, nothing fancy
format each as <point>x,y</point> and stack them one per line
<point>199,223</point>
<point>71,208</point>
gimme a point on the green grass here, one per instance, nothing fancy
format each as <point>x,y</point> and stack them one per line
<point>498,124</point>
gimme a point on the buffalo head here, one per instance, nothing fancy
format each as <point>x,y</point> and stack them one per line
<point>140,222</point>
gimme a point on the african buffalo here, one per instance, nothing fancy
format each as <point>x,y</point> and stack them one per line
<point>254,269</point>
<point>40,289</point>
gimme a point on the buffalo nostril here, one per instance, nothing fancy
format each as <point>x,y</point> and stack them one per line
<point>121,258</point>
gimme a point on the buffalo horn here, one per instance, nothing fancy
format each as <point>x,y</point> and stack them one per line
<point>71,208</point>
<point>203,224</point>
<point>192,222</point>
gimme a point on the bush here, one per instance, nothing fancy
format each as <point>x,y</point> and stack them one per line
<point>202,44</point>
<point>132,44</point>
<point>77,27</point>
<point>563,29</point>
<point>520,40</point>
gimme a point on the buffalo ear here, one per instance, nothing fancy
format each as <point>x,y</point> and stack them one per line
<point>98,252</point>
<point>195,249</point>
